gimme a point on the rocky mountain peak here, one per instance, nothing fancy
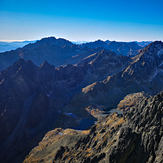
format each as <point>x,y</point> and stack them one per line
<point>107,41</point>
<point>157,46</point>
<point>102,52</point>
<point>153,48</point>
<point>54,41</point>
<point>99,41</point>
<point>156,43</point>
<point>48,41</point>
<point>152,54</point>
<point>136,136</point>
<point>20,63</point>
<point>46,66</point>
<point>30,64</point>
<point>24,64</point>
<point>95,44</point>
<point>134,44</point>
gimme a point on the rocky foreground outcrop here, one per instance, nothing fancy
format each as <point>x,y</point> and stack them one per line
<point>136,136</point>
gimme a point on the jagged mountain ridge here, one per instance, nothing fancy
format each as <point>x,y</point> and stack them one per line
<point>52,93</point>
<point>123,48</point>
<point>62,52</point>
<point>29,106</point>
<point>136,136</point>
<point>48,40</point>
<point>143,43</point>
<point>7,46</point>
<point>143,73</point>
<point>56,51</point>
<point>32,98</point>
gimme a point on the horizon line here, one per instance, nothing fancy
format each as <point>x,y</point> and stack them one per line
<point>82,41</point>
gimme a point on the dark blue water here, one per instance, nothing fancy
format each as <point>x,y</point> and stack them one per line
<point>84,124</point>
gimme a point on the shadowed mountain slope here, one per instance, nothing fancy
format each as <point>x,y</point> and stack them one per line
<point>56,51</point>
<point>62,52</point>
<point>123,48</point>
<point>143,73</point>
<point>34,100</point>
<point>136,136</point>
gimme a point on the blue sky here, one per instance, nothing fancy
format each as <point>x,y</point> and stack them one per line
<point>82,20</point>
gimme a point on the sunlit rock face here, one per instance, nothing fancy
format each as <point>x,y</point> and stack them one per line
<point>135,136</point>
<point>143,72</point>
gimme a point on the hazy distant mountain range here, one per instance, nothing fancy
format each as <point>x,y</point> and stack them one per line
<point>61,52</point>
<point>7,46</point>
<point>143,43</point>
<point>80,83</point>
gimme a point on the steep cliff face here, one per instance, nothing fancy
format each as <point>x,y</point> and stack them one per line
<point>135,136</point>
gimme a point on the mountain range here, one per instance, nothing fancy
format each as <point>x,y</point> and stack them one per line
<point>142,73</point>
<point>7,46</point>
<point>62,52</point>
<point>136,136</point>
<point>143,43</point>
<point>35,99</point>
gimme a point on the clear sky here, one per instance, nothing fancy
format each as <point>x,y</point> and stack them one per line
<point>82,20</point>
